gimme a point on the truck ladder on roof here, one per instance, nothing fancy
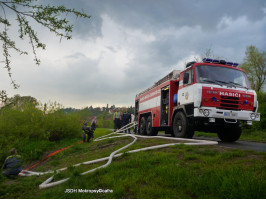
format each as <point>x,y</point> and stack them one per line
<point>173,75</point>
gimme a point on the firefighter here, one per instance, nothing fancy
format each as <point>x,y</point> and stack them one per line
<point>126,119</point>
<point>117,120</point>
<point>12,164</point>
<point>94,123</point>
<point>87,131</point>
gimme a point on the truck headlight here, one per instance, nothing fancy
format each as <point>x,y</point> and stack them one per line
<point>252,116</point>
<point>206,112</point>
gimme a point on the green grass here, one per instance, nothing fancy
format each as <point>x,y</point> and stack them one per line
<point>249,135</point>
<point>176,172</point>
<point>204,134</point>
<point>256,135</point>
<point>77,151</point>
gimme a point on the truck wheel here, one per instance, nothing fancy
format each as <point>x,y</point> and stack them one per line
<point>181,126</point>
<point>149,129</point>
<point>230,134</point>
<point>142,126</point>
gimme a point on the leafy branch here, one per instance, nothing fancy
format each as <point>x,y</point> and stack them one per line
<point>26,11</point>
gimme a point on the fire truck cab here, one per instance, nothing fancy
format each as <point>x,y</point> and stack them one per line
<point>210,96</point>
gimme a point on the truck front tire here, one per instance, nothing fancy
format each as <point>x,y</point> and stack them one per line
<point>181,126</point>
<point>230,134</point>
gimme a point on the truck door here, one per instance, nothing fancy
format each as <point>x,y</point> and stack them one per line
<point>165,106</point>
<point>185,94</point>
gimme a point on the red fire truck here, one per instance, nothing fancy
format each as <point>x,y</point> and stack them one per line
<point>210,96</point>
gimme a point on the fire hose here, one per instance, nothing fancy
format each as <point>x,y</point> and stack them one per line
<point>48,183</point>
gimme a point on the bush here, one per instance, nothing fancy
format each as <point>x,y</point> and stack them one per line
<point>59,125</point>
<point>27,123</point>
<point>261,125</point>
<point>262,110</point>
<point>105,121</point>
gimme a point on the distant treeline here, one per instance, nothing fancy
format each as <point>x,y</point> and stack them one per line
<point>104,114</point>
<point>98,110</point>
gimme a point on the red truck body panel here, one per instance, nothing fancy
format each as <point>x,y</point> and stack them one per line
<point>150,102</point>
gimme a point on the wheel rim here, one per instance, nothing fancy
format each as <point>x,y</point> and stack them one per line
<point>149,126</point>
<point>142,127</point>
<point>178,125</point>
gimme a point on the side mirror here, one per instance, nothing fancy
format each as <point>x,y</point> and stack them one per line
<point>186,78</point>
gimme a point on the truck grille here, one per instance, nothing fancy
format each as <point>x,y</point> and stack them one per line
<point>229,103</point>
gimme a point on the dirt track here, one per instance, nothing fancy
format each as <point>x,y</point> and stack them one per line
<point>240,144</point>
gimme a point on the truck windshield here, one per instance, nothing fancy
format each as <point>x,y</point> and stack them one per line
<point>221,76</point>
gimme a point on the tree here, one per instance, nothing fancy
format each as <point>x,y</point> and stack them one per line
<point>207,53</point>
<point>26,12</point>
<point>19,102</point>
<point>255,66</point>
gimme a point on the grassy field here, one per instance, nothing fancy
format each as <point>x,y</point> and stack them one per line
<point>248,135</point>
<point>175,172</point>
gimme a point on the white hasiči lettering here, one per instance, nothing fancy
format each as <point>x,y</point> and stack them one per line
<point>230,94</point>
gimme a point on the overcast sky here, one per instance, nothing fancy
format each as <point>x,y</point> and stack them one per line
<point>127,45</point>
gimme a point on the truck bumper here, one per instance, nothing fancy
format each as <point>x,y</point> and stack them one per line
<point>210,112</point>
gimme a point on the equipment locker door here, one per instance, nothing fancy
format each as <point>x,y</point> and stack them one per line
<point>165,106</point>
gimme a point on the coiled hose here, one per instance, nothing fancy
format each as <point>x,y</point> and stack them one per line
<point>48,183</point>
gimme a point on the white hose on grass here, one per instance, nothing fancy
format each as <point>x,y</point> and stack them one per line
<point>48,183</point>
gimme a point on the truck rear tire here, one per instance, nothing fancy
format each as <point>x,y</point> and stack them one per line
<point>181,126</point>
<point>149,129</point>
<point>230,134</point>
<point>142,126</point>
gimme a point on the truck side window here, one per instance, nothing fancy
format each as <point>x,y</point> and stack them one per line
<point>188,77</point>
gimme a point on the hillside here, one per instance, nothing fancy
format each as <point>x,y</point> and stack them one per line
<point>174,172</point>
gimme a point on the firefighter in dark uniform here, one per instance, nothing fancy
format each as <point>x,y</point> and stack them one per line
<point>12,164</point>
<point>117,120</point>
<point>87,131</point>
<point>126,119</point>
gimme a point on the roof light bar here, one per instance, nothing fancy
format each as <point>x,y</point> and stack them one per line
<point>222,62</point>
<point>209,60</point>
